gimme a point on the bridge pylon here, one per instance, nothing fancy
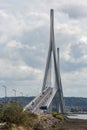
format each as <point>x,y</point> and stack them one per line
<point>58,98</point>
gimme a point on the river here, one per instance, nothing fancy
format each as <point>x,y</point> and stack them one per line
<point>78,116</point>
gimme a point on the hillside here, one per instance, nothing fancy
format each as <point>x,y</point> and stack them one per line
<point>77,103</point>
<point>22,100</point>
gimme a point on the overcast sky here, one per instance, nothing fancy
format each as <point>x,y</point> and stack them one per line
<point>24,41</point>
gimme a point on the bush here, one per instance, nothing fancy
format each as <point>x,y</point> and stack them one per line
<point>38,126</point>
<point>57,115</point>
<point>60,117</point>
<point>28,118</point>
<point>1,114</point>
<point>11,112</point>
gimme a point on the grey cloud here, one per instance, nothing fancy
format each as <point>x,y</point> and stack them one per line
<point>78,50</point>
<point>75,10</point>
<point>77,61</point>
<point>39,39</point>
<point>36,36</point>
<point>24,41</point>
<point>67,66</point>
<point>62,39</point>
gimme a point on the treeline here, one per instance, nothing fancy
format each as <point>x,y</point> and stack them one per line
<point>71,103</point>
<point>76,104</point>
<point>76,101</point>
<point>22,100</point>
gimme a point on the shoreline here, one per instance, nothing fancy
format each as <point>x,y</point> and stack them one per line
<point>73,124</point>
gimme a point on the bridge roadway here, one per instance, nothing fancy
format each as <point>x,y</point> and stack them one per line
<point>43,99</point>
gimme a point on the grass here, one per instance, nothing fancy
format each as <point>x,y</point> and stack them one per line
<point>57,115</point>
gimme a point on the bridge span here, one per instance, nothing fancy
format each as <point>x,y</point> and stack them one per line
<point>44,101</point>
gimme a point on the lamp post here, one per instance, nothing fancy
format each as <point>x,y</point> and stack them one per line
<point>21,94</point>
<point>5,92</point>
<point>14,93</point>
<point>26,95</point>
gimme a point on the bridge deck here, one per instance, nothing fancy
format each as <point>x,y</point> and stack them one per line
<point>44,99</point>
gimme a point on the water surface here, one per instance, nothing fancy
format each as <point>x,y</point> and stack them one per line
<point>78,116</point>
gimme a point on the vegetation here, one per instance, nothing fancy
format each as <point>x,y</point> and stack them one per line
<point>79,102</point>
<point>38,126</point>
<point>12,113</point>
<point>58,115</point>
<point>13,117</point>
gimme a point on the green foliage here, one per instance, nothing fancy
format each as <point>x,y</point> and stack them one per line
<point>60,117</point>
<point>11,112</point>
<point>1,114</point>
<point>38,126</point>
<point>58,128</point>
<point>55,129</point>
<point>28,118</point>
<point>57,115</point>
<point>14,129</point>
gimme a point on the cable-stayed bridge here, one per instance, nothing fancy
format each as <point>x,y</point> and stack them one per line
<point>52,85</point>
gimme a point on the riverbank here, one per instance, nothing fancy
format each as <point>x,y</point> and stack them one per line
<point>73,124</point>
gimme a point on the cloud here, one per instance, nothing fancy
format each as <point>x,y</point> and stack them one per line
<point>75,11</point>
<point>70,82</point>
<point>75,57</point>
<point>24,41</point>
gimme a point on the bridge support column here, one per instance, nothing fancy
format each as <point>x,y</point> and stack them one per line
<point>56,100</point>
<point>50,109</point>
<point>52,54</point>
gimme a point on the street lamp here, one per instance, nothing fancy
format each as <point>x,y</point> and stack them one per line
<point>5,92</point>
<point>14,93</point>
<point>26,95</point>
<point>21,94</point>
